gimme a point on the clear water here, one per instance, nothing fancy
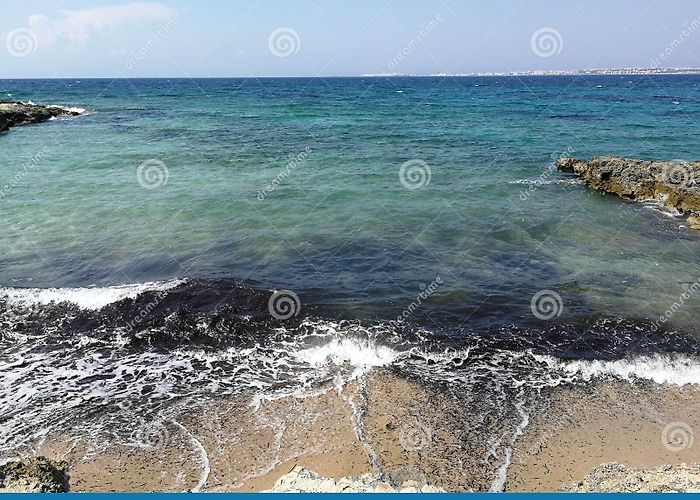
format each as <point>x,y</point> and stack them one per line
<point>494,223</point>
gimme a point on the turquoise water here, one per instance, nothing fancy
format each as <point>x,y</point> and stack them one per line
<point>480,271</point>
<point>494,222</point>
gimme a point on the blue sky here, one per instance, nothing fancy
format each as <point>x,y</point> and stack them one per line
<point>189,38</point>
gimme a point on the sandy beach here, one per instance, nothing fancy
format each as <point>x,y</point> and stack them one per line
<point>399,429</point>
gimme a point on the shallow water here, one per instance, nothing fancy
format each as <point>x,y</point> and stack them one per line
<point>340,228</point>
<point>295,184</point>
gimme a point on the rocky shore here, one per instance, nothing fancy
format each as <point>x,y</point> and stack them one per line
<point>387,435</point>
<point>301,480</point>
<point>615,477</point>
<point>36,475</point>
<point>14,114</point>
<point>673,184</point>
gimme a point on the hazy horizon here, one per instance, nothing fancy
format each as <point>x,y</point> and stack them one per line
<point>213,38</point>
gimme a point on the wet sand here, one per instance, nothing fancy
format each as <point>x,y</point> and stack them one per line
<point>400,428</point>
<point>641,425</point>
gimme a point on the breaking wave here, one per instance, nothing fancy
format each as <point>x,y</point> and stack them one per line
<point>78,355</point>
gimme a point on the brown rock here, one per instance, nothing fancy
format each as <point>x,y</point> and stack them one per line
<point>675,184</point>
<point>36,475</point>
<point>694,221</point>
<point>615,477</point>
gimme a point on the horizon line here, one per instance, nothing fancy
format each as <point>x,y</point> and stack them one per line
<point>636,71</point>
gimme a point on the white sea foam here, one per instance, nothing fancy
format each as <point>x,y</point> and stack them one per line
<point>42,389</point>
<point>676,369</point>
<point>70,109</point>
<point>541,182</point>
<point>659,205</point>
<point>85,298</point>
<point>500,479</point>
<point>202,456</point>
<point>361,353</point>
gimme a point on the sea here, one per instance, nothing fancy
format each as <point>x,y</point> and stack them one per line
<point>191,239</point>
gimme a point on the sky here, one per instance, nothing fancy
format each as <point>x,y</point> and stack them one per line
<point>223,38</point>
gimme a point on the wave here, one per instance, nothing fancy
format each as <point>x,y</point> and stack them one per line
<point>662,208</point>
<point>90,298</point>
<point>79,354</point>
<point>673,369</point>
<point>70,109</point>
<point>79,366</point>
<point>541,182</point>
<point>360,353</point>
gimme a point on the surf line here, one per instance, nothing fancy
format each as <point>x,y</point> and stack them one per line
<point>204,458</point>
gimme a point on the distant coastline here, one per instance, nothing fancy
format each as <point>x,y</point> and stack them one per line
<point>577,72</point>
<point>564,72</point>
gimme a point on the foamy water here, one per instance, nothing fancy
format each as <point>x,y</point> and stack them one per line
<point>675,369</point>
<point>70,109</point>
<point>110,380</point>
<point>94,298</point>
<point>46,375</point>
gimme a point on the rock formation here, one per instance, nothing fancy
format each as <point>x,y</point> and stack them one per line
<point>13,114</point>
<point>301,480</point>
<point>35,475</point>
<point>615,477</point>
<point>675,184</point>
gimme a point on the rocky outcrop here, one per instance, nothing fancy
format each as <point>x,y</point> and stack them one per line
<point>36,475</point>
<point>674,184</point>
<point>615,477</point>
<point>13,114</point>
<point>301,480</point>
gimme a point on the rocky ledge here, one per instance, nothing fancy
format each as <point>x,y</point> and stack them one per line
<point>301,480</point>
<point>615,477</point>
<point>673,184</point>
<point>13,114</point>
<point>35,475</point>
